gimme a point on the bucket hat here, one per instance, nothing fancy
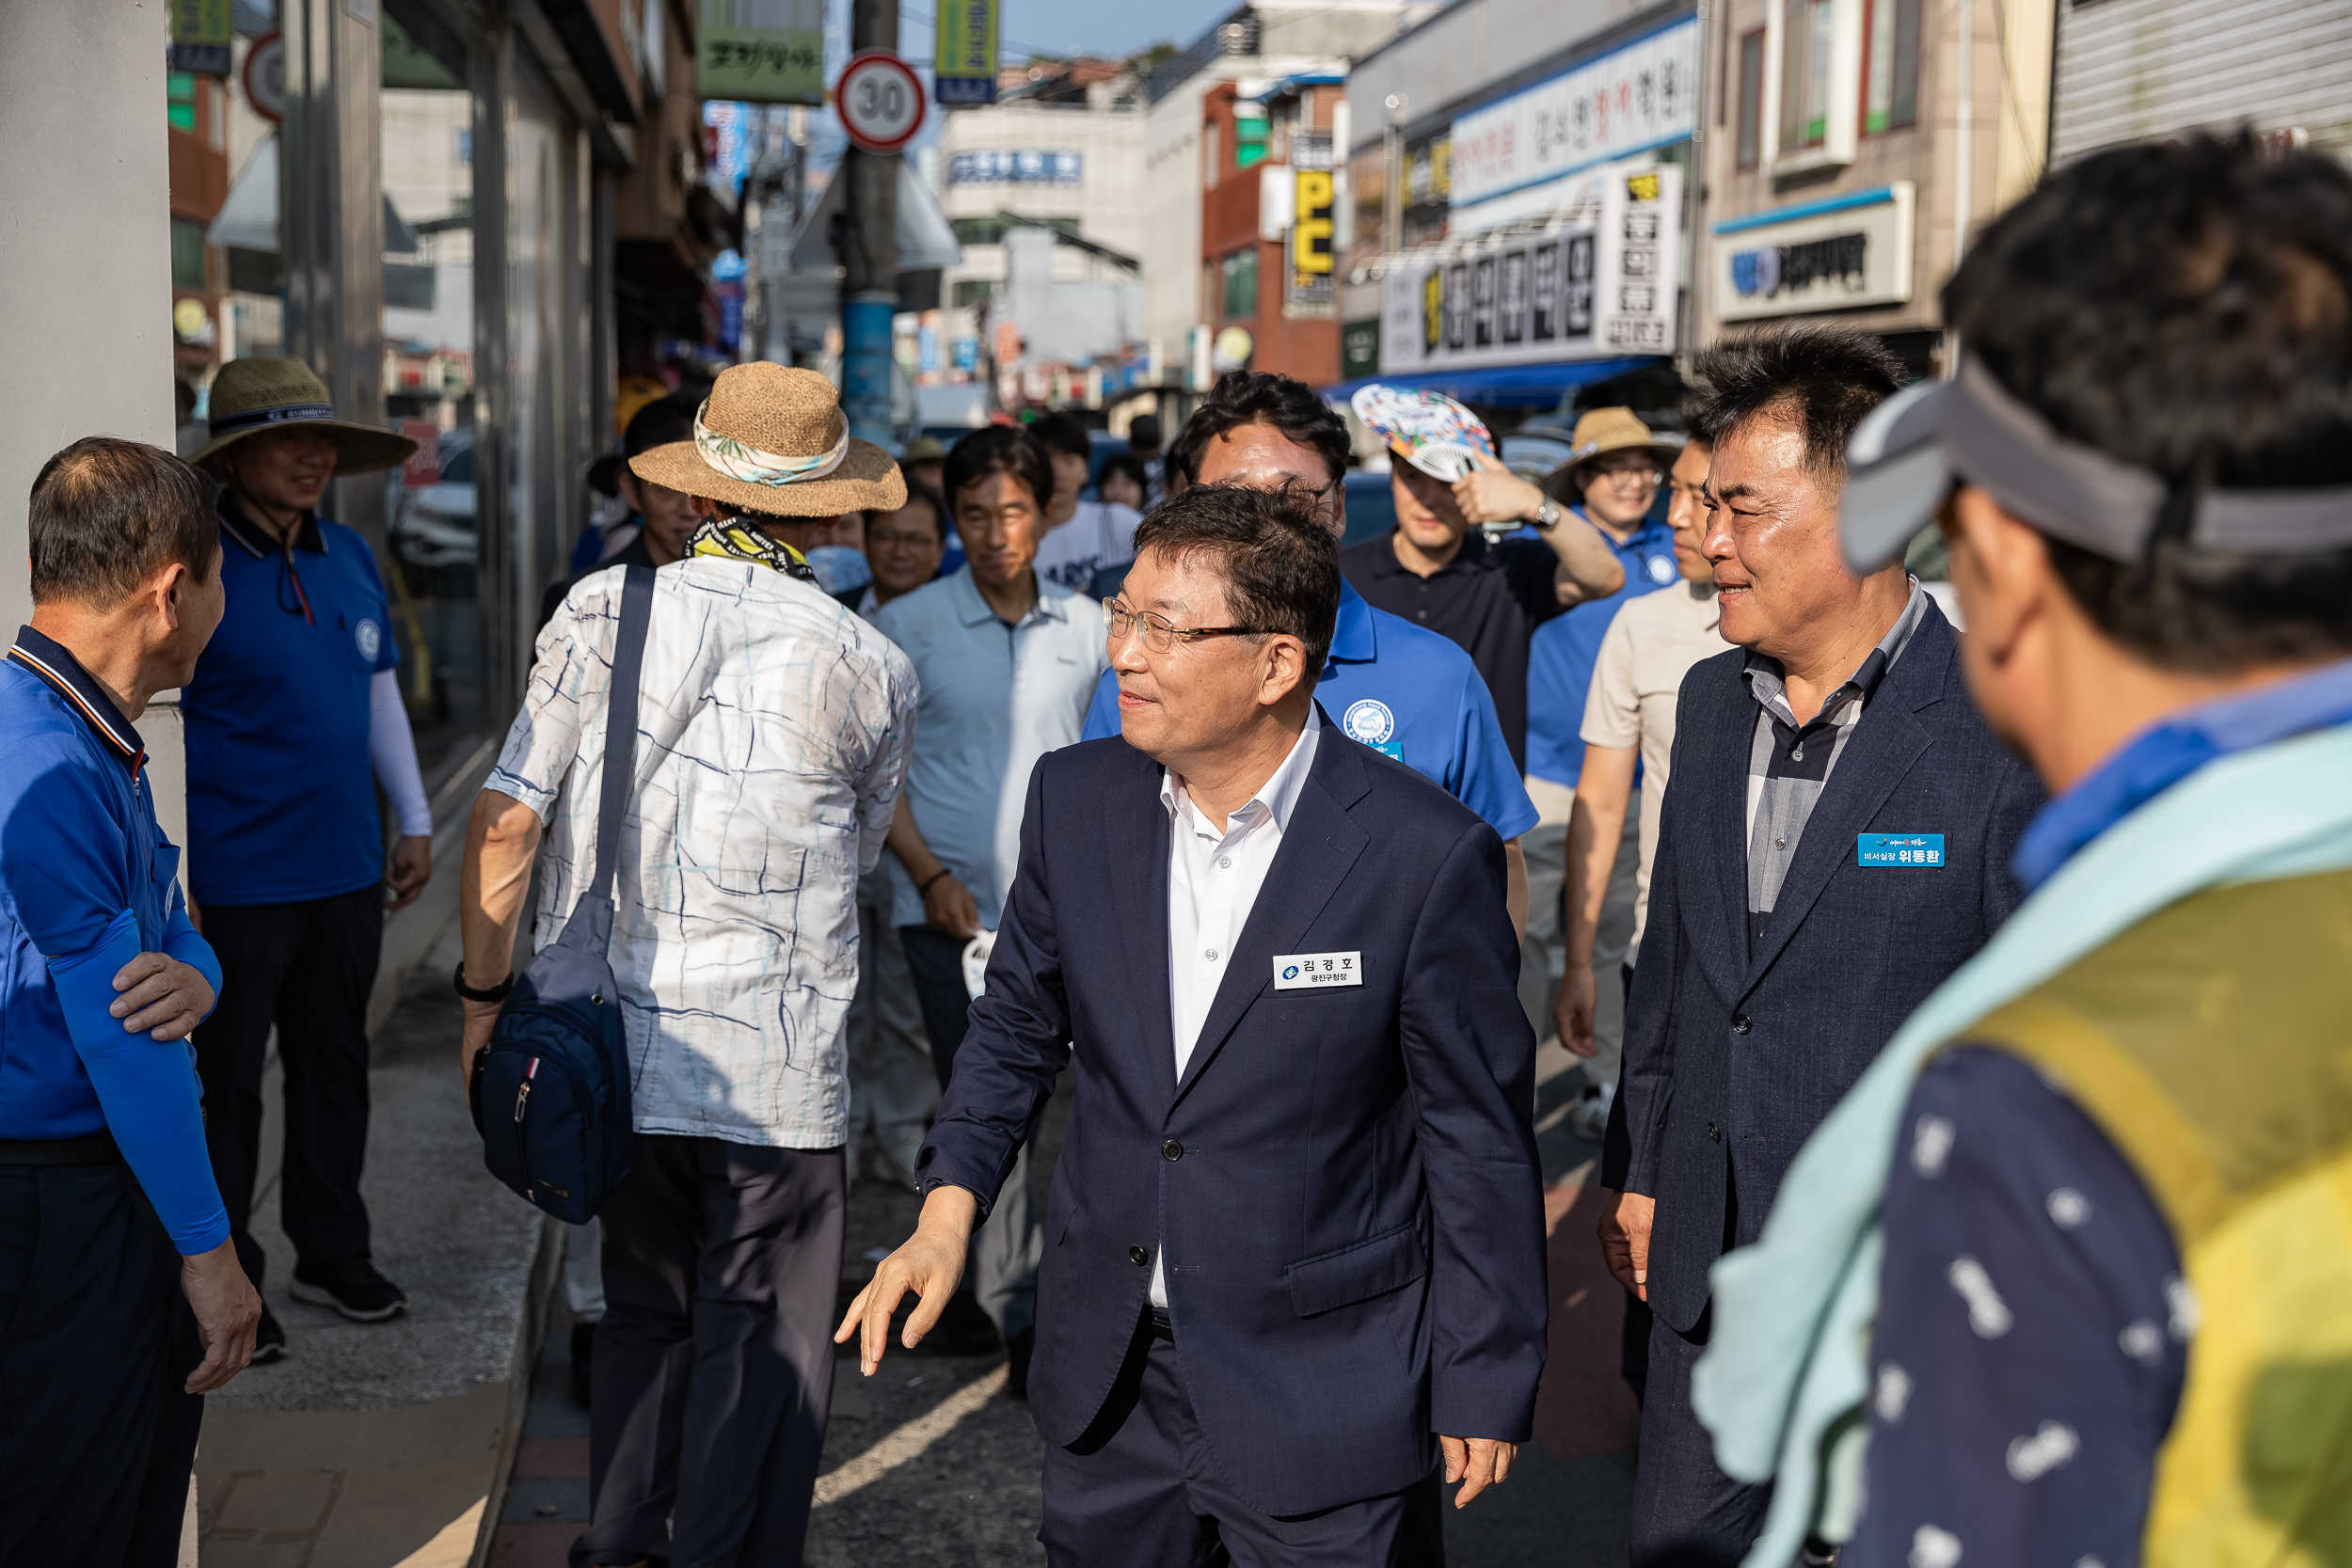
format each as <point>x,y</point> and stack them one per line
<point>772,439</point>
<point>1604,430</point>
<point>250,396</point>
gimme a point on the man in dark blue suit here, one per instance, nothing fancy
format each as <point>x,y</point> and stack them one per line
<point>1294,1246</point>
<point>1836,841</point>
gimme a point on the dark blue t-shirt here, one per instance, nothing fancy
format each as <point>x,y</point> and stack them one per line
<point>281,797</point>
<point>1561,657</point>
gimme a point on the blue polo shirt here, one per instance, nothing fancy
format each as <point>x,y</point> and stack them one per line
<point>1560,658</point>
<point>1409,693</point>
<point>281,796</point>
<point>88,881</point>
<point>995,698</point>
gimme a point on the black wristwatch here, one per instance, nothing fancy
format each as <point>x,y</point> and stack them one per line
<point>485,993</point>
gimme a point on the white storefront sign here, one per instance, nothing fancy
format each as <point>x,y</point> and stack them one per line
<point>1593,284</point>
<point>1825,255</point>
<point>1632,100</point>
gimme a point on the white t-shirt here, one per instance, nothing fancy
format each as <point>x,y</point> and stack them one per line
<point>1098,535</point>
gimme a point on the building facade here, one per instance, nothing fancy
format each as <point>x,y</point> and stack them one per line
<point>1528,233</point>
<point>1245,58</point>
<point>1852,145</point>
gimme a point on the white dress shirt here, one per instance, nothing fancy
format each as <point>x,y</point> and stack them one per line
<point>1213,883</point>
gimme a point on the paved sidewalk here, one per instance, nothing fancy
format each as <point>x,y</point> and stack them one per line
<point>378,1445</point>
<point>929,1465</point>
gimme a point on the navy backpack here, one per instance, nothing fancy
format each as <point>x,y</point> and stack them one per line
<point>551,1094</point>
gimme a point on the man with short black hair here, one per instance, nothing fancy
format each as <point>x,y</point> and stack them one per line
<point>2105,1166</point>
<point>664,518</point>
<point>122,1296</point>
<point>1835,841</point>
<point>1406,692</point>
<point>1085,545</point>
<point>1297,1226</point>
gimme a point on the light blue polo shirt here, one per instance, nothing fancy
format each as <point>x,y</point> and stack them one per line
<point>995,698</point>
<point>1560,658</point>
<point>1409,693</point>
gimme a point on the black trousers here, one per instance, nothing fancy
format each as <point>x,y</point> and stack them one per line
<point>713,1370</point>
<point>307,969</point>
<point>1139,1489</point>
<point>97,1436</point>
<point>937,961</point>
<point>1687,1513</point>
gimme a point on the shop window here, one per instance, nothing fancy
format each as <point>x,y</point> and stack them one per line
<point>1891,46</point>
<point>187,254</point>
<point>1751,98</point>
<point>1237,277</point>
<point>1805,85</point>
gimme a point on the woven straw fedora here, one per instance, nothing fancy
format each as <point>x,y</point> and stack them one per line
<point>772,439</point>
<point>1604,430</point>
<point>250,396</point>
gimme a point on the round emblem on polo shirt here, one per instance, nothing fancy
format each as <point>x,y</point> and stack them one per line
<point>1368,720</point>
<point>369,638</point>
<point>1661,569</point>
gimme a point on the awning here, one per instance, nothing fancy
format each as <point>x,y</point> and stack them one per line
<point>1503,386</point>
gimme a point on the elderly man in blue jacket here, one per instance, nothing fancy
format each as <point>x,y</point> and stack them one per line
<point>1294,1246</point>
<point>122,1300</point>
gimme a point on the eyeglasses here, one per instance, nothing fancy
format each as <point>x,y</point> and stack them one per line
<point>1159,632</point>
<point>889,539</point>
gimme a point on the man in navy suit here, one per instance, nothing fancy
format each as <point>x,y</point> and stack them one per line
<point>1294,1245</point>
<point>1836,841</point>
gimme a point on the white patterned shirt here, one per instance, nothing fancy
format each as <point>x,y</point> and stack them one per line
<point>774,728</point>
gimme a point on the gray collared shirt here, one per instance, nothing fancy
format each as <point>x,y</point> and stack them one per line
<point>1789,764</point>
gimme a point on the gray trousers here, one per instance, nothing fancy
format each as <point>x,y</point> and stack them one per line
<point>714,1362</point>
<point>892,1087</point>
<point>1542,959</point>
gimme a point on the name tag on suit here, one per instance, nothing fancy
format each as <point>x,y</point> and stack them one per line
<point>1318,971</point>
<point>1903,852</point>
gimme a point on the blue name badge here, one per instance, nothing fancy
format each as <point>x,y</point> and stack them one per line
<point>1902,850</point>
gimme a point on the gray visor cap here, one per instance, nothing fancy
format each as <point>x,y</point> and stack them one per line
<point>1905,458</point>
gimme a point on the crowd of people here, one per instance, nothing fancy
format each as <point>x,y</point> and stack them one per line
<point>1957,976</point>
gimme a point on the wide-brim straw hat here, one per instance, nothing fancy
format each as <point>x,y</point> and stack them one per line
<point>1604,430</point>
<point>253,396</point>
<point>772,439</point>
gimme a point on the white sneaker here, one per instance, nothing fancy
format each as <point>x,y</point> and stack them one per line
<point>1589,1120</point>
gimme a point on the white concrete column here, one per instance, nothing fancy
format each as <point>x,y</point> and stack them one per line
<point>85,257</point>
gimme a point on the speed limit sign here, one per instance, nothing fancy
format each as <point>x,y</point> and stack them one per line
<point>880,100</point>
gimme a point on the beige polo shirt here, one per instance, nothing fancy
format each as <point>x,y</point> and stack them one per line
<point>1646,651</point>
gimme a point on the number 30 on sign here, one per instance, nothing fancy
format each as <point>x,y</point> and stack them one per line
<point>880,100</point>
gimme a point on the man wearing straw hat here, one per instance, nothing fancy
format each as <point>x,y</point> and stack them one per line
<point>293,718</point>
<point>774,728</point>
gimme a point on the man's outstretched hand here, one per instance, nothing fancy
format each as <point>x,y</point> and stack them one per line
<point>1477,1462</point>
<point>929,1263</point>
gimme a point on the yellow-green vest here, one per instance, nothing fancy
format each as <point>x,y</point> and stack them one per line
<point>2212,1044</point>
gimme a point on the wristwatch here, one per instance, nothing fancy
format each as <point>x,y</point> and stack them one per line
<point>1546,515</point>
<point>481,993</point>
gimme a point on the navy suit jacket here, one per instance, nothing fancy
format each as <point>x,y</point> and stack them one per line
<point>1346,1182</point>
<point>1732,1057</point>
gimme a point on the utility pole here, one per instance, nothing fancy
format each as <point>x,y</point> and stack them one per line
<point>869,254</point>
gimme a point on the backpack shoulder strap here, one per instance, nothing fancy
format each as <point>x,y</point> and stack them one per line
<point>620,732</point>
